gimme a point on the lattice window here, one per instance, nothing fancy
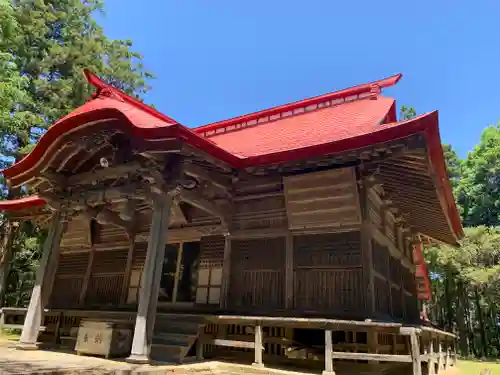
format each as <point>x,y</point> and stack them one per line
<point>210,270</point>
<point>134,286</point>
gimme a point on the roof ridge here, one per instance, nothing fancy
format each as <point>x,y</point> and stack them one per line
<point>368,89</point>
<point>99,84</point>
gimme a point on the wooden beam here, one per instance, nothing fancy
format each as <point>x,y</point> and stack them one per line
<point>218,179</point>
<point>177,213</point>
<point>373,357</point>
<point>203,204</point>
<point>112,172</point>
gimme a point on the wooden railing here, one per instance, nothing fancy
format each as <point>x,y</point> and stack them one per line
<point>421,341</point>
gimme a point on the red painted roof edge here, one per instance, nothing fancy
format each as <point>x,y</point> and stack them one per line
<point>99,84</point>
<point>21,203</point>
<point>382,83</point>
<point>426,124</point>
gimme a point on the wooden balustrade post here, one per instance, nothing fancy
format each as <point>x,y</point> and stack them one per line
<point>440,356</point>
<point>328,353</point>
<point>258,346</point>
<point>415,352</point>
<point>447,354</point>
<point>199,348</point>
<point>431,363</point>
<point>34,315</point>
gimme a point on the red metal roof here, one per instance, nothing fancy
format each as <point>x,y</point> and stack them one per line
<point>21,203</point>
<point>336,122</point>
<point>320,126</point>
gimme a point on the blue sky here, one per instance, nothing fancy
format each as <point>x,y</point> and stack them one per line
<point>218,59</point>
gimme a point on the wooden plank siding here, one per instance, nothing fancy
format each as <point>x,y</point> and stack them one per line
<point>257,278</point>
<point>328,273</point>
<point>322,199</point>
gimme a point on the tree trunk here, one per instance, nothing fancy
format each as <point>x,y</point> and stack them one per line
<point>480,319</point>
<point>7,253</point>
<point>462,327</point>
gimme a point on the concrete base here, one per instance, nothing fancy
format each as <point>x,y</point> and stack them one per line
<point>27,346</point>
<point>328,373</point>
<point>258,365</point>
<point>139,359</point>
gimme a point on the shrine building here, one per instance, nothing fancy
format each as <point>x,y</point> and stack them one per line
<point>288,236</point>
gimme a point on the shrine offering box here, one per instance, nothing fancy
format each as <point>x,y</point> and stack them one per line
<point>105,338</point>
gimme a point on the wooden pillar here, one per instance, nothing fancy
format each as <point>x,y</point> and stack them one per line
<point>34,314</point>
<point>258,346</point>
<point>226,272</point>
<point>366,253</point>
<point>88,274</point>
<point>128,270</point>
<point>177,272</point>
<point>415,353</point>
<point>289,272</point>
<point>148,294</point>
<point>328,353</point>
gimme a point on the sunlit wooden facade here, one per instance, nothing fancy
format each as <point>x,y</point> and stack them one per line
<point>277,236</point>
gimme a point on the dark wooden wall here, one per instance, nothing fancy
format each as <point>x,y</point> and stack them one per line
<point>296,244</point>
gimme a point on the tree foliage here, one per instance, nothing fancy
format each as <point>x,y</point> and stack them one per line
<point>44,47</point>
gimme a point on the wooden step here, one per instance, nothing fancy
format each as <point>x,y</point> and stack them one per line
<point>174,335</point>
<point>168,353</point>
<point>178,339</point>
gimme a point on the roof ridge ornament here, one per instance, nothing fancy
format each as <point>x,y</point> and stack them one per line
<point>375,91</point>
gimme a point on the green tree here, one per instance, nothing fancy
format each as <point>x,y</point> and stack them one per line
<point>56,40</point>
<point>407,113</point>
<point>44,47</point>
<point>479,188</point>
<point>453,166</point>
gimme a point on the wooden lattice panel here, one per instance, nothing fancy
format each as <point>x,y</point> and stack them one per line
<point>261,212</point>
<point>373,207</point>
<point>397,302</point>
<point>66,292</point>
<point>411,308</point>
<point>390,228</point>
<point>77,235</point>
<point>104,290</point>
<point>73,265</point>
<point>329,291</point>
<point>382,302</point>
<point>212,251</point>
<point>322,199</point>
<point>111,234</point>
<point>110,261</point>
<point>328,250</point>
<point>408,280</point>
<point>395,268</point>
<point>257,273</point>
<point>380,259</point>
<point>139,256</point>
